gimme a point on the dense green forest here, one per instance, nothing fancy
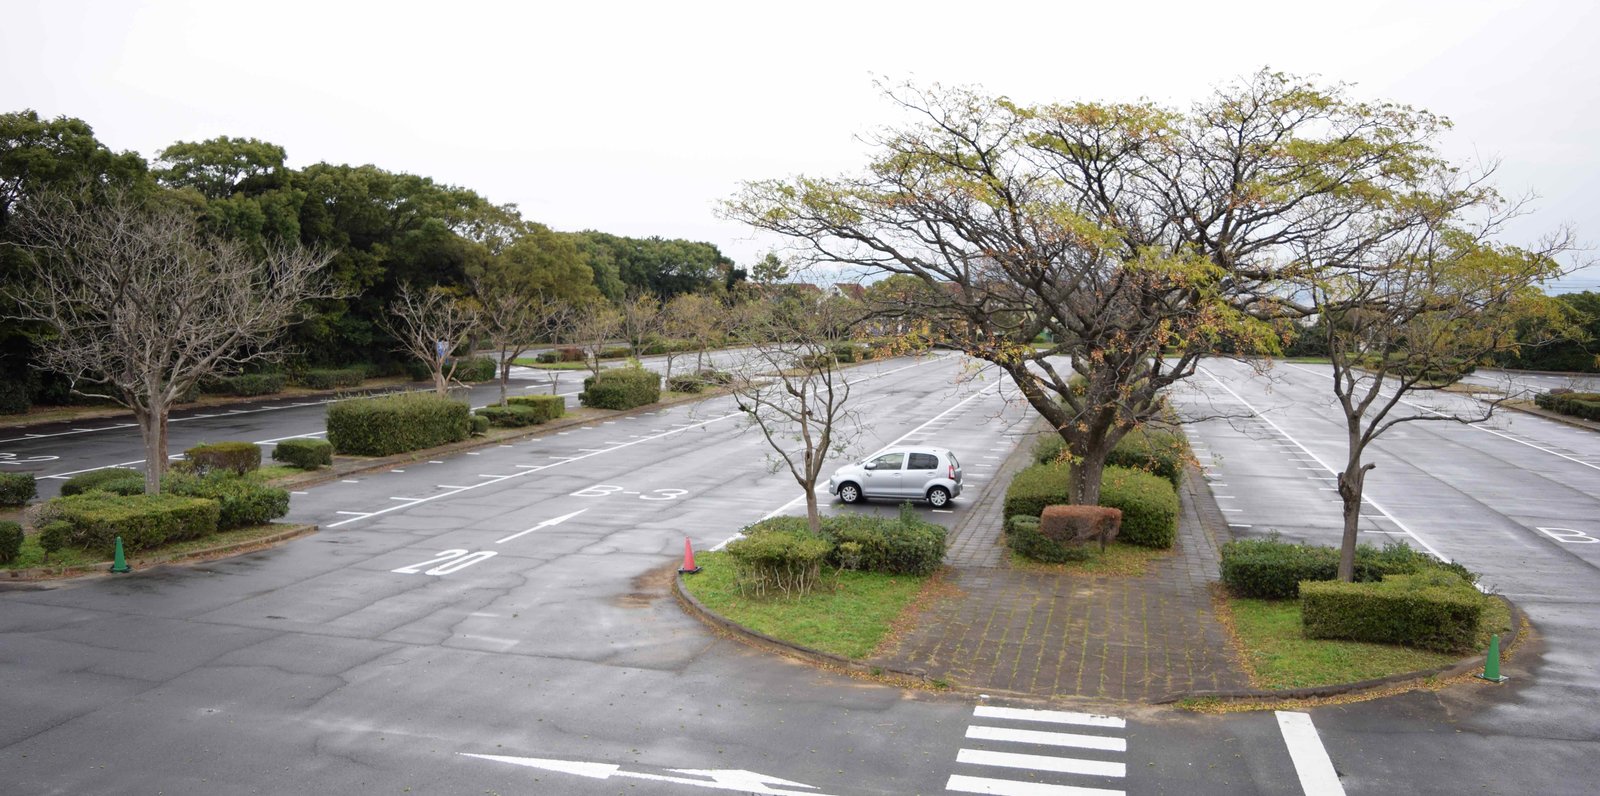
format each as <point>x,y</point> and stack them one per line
<point>385,229</point>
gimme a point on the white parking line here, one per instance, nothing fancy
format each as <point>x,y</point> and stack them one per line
<point>1311,763</point>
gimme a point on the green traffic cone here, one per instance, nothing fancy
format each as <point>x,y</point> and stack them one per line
<point>120,564</point>
<point>1491,663</point>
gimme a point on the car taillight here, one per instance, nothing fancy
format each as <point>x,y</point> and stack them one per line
<point>952,475</point>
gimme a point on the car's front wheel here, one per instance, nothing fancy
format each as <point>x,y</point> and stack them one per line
<point>938,497</point>
<point>850,493</point>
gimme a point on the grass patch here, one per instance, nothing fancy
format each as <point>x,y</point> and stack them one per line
<point>850,615</point>
<point>1304,360</point>
<point>1117,560</point>
<point>1276,655</point>
<point>31,556</point>
<point>272,472</point>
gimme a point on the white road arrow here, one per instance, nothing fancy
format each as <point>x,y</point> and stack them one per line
<point>545,524</point>
<point>719,779</point>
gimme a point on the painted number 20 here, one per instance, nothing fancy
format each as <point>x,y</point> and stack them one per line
<point>447,561</point>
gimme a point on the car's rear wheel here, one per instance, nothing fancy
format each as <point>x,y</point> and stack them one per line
<point>938,497</point>
<point>850,493</point>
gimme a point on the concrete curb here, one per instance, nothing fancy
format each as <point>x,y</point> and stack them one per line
<point>761,640</point>
<point>1518,620</point>
<point>39,576</point>
<point>1528,408</point>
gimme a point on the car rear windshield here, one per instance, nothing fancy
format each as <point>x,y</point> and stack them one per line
<point>953,462</point>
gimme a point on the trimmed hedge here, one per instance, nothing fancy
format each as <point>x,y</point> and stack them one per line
<point>248,384</point>
<point>241,502</point>
<point>15,397</point>
<point>1149,506</point>
<point>548,407</point>
<point>16,489</point>
<point>1024,538</point>
<point>1432,609</point>
<point>10,541</point>
<point>332,378</point>
<point>615,352</point>
<point>1149,503</point>
<point>1162,451</point>
<point>237,457</point>
<point>688,384</point>
<point>511,415</point>
<point>53,536</point>
<point>92,480</point>
<point>621,388</point>
<point>480,425</point>
<point>1582,405</point>
<point>143,521</point>
<point>1269,569</point>
<point>306,454</point>
<point>714,376</point>
<point>902,546</point>
<point>396,423</point>
<point>1036,487</point>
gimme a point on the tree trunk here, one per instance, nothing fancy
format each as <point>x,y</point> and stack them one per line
<point>813,516</point>
<point>153,426</point>
<point>439,385</point>
<point>1351,482</point>
<point>505,373</point>
<point>1087,472</point>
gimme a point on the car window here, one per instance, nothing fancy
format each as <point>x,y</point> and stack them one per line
<point>923,461</point>
<point>953,462</point>
<point>889,461</point>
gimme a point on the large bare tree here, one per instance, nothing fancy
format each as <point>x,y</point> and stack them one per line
<point>1141,238</point>
<point>141,304</point>
<point>594,325</point>
<point>431,324</point>
<point>793,391</point>
<point>512,319</point>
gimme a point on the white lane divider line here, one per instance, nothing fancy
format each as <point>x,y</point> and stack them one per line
<point>1311,763</point>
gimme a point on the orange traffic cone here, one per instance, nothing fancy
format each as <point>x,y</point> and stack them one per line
<point>688,567</point>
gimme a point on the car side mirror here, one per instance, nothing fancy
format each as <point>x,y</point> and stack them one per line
<point>871,465</point>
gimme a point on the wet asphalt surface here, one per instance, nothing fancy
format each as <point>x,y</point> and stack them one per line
<point>440,635</point>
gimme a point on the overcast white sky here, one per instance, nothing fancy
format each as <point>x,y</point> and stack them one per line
<point>636,118</point>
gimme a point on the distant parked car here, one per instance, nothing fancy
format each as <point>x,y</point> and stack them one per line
<point>913,473</point>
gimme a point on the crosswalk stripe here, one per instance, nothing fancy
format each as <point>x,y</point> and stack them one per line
<point>1048,738</point>
<point>1051,716</point>
<point>1065,765</point>
<point>1008,787</point>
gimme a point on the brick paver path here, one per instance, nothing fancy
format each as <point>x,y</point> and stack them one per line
<point>1057,635</point>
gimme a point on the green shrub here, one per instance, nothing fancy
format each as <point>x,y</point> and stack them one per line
<point>1024,537</point>
<point>1432,609</point>
<point>396,423</point>
<point>480,425</point>
<point>143,521</point>
<point>1036,487</point>
<point>1048,448</point>
<point>305,453</point>
<point>621,388</point>
<point>548,407</point>
<point>1582,405</point>
<point>688,384</point>
<point>477,369</point>
<point>237,457</point>
<point>127,485</point>
<point>902,546</point>
<point>1270,569</point>
<point>53,536</point>
<point>844,352</point>
<point>241,502</point>
<point>786,562</point>
<point>1149,506</point>
<point>17,489</point>
<point>1157,450</point>
<point>332,378</point>
<point>10,541</point>
<point>616,352</point>
<point>91,480</point>
<point>821,361</point>
<point>511,415</point>
<point>714,376</point>
<point>248,384</point>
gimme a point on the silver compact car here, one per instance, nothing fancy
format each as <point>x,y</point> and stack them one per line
<point>911,473</point>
